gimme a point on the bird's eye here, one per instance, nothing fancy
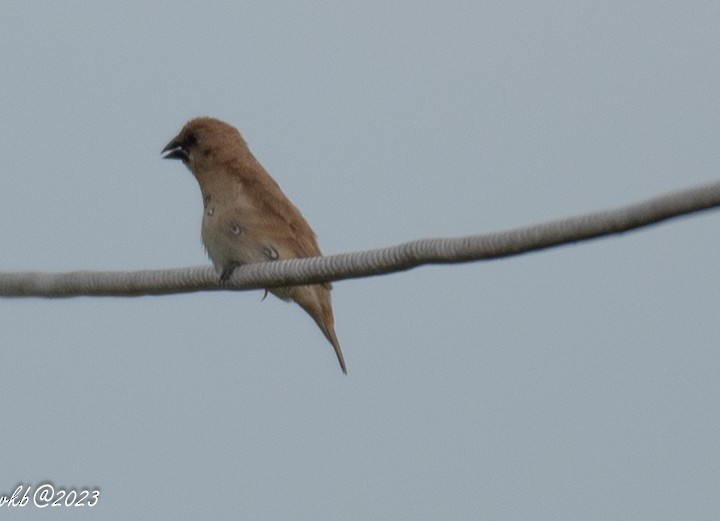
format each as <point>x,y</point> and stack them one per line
<point>191,139</point>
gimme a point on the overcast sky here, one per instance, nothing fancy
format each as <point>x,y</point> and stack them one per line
<point>576,383</point>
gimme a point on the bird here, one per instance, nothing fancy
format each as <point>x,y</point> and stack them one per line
<point>246,216</point>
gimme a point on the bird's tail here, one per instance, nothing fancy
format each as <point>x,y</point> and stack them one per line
<point>329,332</point>
<point>315,300</point>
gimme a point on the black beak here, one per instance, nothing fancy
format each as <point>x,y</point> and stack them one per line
<point>175,150</point>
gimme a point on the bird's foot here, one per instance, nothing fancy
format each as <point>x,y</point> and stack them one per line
<point>227,272</point>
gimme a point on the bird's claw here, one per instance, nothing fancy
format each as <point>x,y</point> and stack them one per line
<point>227,272</point>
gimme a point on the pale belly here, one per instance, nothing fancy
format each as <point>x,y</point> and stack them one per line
<point>227,241</point>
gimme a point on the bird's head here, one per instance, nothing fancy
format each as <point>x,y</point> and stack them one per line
<point>203,140</point>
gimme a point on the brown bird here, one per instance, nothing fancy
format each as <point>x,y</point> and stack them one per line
<point>246,217</point>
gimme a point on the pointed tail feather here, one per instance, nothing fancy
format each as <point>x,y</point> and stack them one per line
<point>330,335</point>
<point>315,300</point>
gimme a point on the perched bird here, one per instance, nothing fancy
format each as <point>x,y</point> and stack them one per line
<point>246,217</point>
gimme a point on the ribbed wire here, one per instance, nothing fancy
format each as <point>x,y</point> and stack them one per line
<point>365,263</point>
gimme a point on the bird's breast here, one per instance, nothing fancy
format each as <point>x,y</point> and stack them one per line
<point>228,236</point>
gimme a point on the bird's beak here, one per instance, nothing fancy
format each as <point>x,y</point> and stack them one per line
<point>175,150</point>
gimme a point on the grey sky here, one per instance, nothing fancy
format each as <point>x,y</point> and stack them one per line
<point>576,383</point>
